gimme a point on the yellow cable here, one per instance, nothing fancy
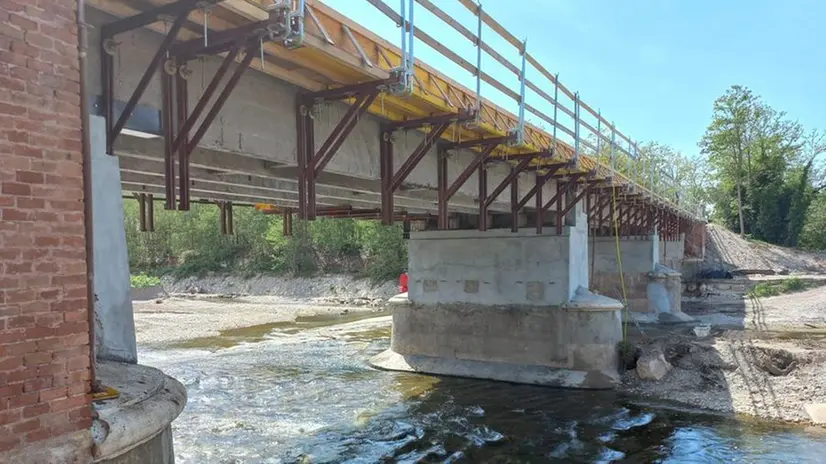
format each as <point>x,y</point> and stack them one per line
<point>619,260</point>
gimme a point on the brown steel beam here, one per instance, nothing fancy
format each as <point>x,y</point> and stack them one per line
<point>421,150</point>
<point>187,126</point>
<point>182,7</point>
<point>494,141</point>
<point>513,174</point>
<point>348,91</point>
<point>168,131</point>
<point>462,116</point>
<point>571,204</point>
<point>483,195</point>
<point>479,159</point>
<point>146,78</point>
<point>541,179</point>
<point>251,50</point>
<point>182,109</point>
<point>514,201</point>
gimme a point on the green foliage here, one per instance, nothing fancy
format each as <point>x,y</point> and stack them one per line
<point>781,287</point>
<point>813,234</point>
<point>190,243</point>
<point>762,168</point>
<point>144,280</point>
<point>385,250</point>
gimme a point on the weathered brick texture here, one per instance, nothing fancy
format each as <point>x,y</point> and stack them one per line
<point>44,341</point>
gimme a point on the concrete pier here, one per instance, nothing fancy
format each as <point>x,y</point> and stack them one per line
<point>505,306</point>
<point>652,288</point>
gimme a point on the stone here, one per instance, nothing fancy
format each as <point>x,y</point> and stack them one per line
<point>816,412</point>
<point>652,365</point>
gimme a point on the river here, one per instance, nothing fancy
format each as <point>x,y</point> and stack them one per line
<point>303,392</point>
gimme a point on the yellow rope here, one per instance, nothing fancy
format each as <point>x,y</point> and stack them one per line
<point>619,260</point>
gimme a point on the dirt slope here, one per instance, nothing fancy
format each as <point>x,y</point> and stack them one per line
<point>727,250</point>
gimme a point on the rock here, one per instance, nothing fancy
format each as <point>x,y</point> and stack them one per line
<point>816,412</point>
<point>652,364</point>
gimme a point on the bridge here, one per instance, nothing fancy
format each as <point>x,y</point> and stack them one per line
<point>299,108</point>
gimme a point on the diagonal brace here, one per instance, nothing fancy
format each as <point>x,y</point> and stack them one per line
<point>140,89</point>
<point>513,174</point>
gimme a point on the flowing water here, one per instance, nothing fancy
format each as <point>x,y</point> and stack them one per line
<point>304,393</point>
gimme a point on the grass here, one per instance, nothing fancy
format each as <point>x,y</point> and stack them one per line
<point>144,281</point>
<point>781,287</point>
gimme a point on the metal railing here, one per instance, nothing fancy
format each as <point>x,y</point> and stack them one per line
<point>591,136</point>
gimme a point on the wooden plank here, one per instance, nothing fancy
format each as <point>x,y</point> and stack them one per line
<point>493,24</point>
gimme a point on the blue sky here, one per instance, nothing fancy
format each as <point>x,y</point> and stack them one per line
<point>654,67</point>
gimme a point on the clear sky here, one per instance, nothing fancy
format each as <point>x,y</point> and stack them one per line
<point>654,67</point>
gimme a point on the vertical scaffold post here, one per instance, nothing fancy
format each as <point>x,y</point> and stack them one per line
<point>479,60</point>
<point>411,37</point>
<point>599,136</point>
<point>613,146</point>
<point>576,126</point>
<point>556,108</point>
<point>403,11</point>
<point>522,79</point>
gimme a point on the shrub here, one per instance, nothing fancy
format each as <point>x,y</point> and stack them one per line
<point>144,281</point>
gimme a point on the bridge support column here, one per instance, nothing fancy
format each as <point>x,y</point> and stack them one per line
<point>653,289</point>
<point>115,331</point>
<point>503,305</point>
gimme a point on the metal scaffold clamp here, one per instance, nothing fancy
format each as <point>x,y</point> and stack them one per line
<point>292,29</point>
<point>404,74</point>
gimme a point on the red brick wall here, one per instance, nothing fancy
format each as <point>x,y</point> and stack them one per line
<point>44,334</point>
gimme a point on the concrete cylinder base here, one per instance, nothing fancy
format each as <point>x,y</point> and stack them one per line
<point>135,427</point>
<point>665,295</point>
<point>571,346</point>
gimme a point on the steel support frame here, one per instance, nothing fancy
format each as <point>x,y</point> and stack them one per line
<point>146,211</point>
<point>311,162</point>
<point>226,216</point>
<point>176,120</point>
<point>391,180</point>
<point>180,11</point>
<point>536,191</point>
<point>562,189</point>
<point>589,185</point>
<point>512,180</point>
<point>446,192</point>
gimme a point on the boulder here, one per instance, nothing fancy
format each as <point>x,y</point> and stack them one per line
<point>652,364</point>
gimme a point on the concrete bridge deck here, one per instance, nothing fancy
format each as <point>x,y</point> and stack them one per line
<point>250,153</point>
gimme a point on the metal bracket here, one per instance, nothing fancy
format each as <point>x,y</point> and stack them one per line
<point>226,217</point>
<point>311,162</point>
<point>179,10</point>
<point>445,192</point>
<point>146,211</point>
<point>391,180</point>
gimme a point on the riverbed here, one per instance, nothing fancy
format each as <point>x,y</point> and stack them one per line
<point>303,392</point>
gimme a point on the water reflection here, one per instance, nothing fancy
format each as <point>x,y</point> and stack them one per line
<point>309,396</point>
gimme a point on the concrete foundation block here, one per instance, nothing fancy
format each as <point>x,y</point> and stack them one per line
<point>572,345</point>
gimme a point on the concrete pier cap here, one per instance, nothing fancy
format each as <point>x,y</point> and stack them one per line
<point>505,306</point>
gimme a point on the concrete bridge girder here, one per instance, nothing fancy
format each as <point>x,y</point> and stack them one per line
<point>145,156</point>
<point>258,122</point>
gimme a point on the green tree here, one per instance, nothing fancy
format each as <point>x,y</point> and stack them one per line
<point>728,138</point>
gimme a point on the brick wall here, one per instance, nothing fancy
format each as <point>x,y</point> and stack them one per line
<point>44,335</point>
